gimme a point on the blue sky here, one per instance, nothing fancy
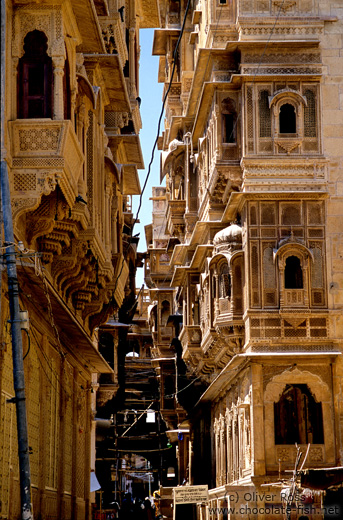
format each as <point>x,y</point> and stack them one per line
<point>150,91</point>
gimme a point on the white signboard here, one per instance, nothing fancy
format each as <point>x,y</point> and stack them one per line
<point>190,494</point>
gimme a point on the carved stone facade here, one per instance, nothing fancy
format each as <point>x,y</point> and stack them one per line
<point>72,149</point>
<point>252,157</point>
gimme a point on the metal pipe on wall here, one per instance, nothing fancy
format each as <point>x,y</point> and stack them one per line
<point>13,293</point>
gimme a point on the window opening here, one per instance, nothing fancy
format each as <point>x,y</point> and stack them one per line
<point>287,119</point>
<point>229,128</point>
<point>293,273</point>
<point>298,417</point>
<point>35,78</point>
<point>225,283</point>
<point>229,120</point>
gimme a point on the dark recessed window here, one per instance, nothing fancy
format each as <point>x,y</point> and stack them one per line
<point>298,417</point>
<point>287,119</point>
<point>35,78</point>
<point>293,273</point>
<point>229,128</point>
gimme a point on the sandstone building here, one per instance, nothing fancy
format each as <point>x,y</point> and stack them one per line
<point>72,149</point>
<point>246,240</point>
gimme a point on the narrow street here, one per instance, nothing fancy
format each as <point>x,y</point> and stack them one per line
<point>171,289</point>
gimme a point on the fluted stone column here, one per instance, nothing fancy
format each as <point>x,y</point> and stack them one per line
<point>58,106</point>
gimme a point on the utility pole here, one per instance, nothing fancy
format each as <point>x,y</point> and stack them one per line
<point>13,294</point>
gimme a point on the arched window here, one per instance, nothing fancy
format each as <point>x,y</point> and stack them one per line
<point>35,78</point>
<point>165,313</point>
<point>293,273</point>
<point>298,417</point>
<point>287,119</point>
<point>224,282</point>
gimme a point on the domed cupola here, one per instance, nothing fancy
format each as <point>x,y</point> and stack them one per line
<point>228,239</point>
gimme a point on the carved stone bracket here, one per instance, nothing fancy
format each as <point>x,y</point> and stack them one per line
<point>288,144</point>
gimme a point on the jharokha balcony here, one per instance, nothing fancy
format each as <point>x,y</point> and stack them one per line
<point>175,217</point>
<point>44,153</point>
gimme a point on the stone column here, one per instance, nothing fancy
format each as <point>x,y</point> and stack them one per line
<point>58,106</point>
<point>216,301</point>
<point>257,422</point>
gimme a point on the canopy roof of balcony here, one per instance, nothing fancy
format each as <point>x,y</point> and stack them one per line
<point>88,25</point>
<point>159,46</point>
<point>201,252</point>
<point>112,72</point>
<point>71,333</point>
<point>130,144</point>
<point>148,12</point>
<point>131,184</point>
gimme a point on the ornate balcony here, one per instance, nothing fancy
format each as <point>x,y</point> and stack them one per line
<point>44,152</point>
<point>190,338</point>
<point>114,36</point>
<point>175,217</point>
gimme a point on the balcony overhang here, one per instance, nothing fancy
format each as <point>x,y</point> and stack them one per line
<point>131,184</point>
<point>148,12</point>
<point>72,335</point>
<point>179,254</point>
<point>88,25</point>
<point>160,40</point>
<point>202,251</point>
<point>240,360</point>
<point>112,72</point>
<point>237,199</point>
<point>201,228</point>
<point>131,146</point>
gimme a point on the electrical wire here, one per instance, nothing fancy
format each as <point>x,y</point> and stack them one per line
<point>182,389</point>
<point>29,346</point>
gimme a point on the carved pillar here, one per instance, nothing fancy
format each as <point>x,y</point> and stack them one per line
<point>132,60</point>
<point>229,448</point>
<point>81,130</point>
<point>223,451</point>
<point>114,218</point>
<point>15,82</point>
<point>305,282</point>
<point>58,107</point>
<point>217,452</point>
<point>107,211</point>
<point>241,443</point>
<point>216,301</point>
<point>189,303</point>
<point>235,447</point>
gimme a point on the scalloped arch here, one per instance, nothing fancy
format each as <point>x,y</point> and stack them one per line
<point>276,386</point>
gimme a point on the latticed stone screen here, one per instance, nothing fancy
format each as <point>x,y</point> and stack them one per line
<point>310,123</point>
<point>265,117</point>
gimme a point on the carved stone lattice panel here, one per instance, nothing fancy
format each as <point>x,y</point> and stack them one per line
<point>291,327</point>
<point>46,18</point>
<point>287,453</point>
<point>298,57</point>
<point>44,152</point>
